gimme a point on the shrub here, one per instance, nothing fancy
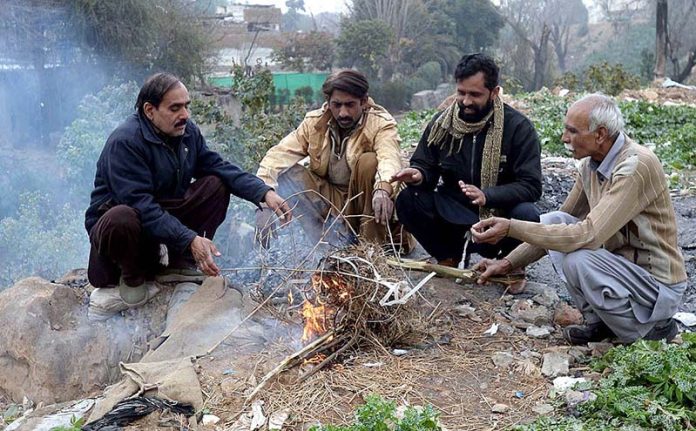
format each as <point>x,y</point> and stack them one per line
<point>380,415</point>
<point>97,116</point>
<point>609,78</point>
<point>42,238</point>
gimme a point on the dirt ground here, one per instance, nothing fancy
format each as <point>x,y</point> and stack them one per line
<point>451,370</point>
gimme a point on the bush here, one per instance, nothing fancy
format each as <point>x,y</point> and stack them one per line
<point>609,79</point>
<point>42,238</point>
<point>393,95</point>
<point>380,415</point>
<point>98,115</point>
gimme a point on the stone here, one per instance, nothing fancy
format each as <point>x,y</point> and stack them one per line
<point>565,315</point>
<point>506,329</point>
<point>502,359</point>
<point>45,367</point>
<point>543,409</point>
<point>555,364</point>
<point>465,310</point>
<point>537,332</point>
<point>600,348</point>
<point>544,294</point>
<point>573,398</point>
<point>527,311</point>
<point>500,408</point>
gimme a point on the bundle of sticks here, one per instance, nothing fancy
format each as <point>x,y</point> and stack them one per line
<point>354,298</point>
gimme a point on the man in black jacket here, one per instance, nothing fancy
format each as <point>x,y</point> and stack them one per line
<point>158,185</point>
<point>477,158</point>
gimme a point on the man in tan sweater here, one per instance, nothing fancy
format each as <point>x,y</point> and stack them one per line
<point>614,240</point>
<point>353,149</point>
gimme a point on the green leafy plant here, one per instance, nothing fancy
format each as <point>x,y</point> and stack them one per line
<point>412,125</point>
<point>75,425</point>
<point>647,385</point>
<point>378,414</point>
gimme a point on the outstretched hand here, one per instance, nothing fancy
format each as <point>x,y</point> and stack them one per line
<point>473,193</point>
<point>490,230</point>
<point>408,176</point>
<point>203,251</point>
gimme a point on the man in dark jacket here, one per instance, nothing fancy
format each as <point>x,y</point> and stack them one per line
<point>145,199</point>
<point>477,158</point>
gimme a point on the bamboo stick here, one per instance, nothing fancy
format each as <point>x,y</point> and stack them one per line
<point>468,275</point>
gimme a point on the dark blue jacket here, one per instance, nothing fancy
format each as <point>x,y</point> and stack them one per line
<point>137,168</point>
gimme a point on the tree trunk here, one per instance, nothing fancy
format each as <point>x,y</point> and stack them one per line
<point>660,38</point>
<point>541,57</point>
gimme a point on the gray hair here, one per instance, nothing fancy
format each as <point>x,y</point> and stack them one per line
<point>604,112</point>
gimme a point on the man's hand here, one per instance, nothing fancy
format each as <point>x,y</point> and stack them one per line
<point>382,205</point>
<point>474,194</point>
<point>490,268</point>
<point>279,206</point>
<point>203,251</point>
<point>490,230</point>
<point>408,176</point>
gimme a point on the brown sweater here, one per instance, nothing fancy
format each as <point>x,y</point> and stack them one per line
<point>630,214</point>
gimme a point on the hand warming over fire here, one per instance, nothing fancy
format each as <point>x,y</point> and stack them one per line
<point>491,230</point>
<point>473,193</point>
<point>383,206</point>
<point>203,251</point>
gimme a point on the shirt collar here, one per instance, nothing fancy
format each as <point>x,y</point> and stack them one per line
<point>604,168</point>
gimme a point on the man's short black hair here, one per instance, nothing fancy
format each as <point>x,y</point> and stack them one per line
<point>348,80</point>
<point>472,64</point>
<point>154,89</point>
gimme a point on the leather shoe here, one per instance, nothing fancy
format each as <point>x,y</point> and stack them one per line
<point>663,330</point>
<point>583,334</point>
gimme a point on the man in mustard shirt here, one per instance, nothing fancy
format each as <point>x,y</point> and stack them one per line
<point>353,149</point>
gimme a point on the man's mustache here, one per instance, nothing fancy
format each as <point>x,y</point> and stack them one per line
<point>180,123</point>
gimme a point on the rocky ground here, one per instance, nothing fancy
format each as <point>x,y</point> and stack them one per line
<point>489,360</point>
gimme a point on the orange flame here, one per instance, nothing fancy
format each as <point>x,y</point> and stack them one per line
<point>330,291</point>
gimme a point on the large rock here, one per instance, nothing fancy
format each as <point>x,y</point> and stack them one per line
<point>49,351</point>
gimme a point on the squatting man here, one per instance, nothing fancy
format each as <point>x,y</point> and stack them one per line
<point>158,185</point>
<point>614,239</point>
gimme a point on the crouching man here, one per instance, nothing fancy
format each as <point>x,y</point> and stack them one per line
<point>614,240</point>
<point>157,183</point>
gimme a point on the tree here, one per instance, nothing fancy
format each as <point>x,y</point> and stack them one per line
<point>352,49</point>
<point>407,21</point>
<point>660,38</point>
<point>564,19</point>
<point>306,51</point>
<point>681,38</point>
<point>530,23</point>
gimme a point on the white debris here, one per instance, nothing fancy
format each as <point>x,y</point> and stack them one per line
<point>562,384</point>
<point>688,319</point>
<point>277,419</point>
<point>492,330</point>
<point>210,420</point>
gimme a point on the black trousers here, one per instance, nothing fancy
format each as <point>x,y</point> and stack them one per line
<point>120,248</point>
<point>444,240</point>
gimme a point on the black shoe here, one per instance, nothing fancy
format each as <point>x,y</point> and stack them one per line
<point>663,330</point>
<point>583,334</point>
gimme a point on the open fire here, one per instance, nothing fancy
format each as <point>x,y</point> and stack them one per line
<point>329,293</point>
